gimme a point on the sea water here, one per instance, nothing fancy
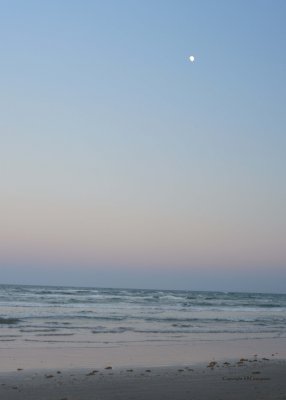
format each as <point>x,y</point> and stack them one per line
<point>80,316</point>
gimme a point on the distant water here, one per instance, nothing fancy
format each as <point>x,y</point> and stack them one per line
<point>73,316</point>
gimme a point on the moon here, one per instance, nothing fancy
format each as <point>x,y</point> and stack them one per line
<point>192,58</point>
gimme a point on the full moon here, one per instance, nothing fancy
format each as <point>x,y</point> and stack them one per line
<point>192,58</point>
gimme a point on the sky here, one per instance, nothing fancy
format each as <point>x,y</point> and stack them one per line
<point>123,164</point>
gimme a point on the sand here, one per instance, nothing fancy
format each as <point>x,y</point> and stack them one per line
<point>218,370</point>
<point>255,378</point>
<point>148,354</point>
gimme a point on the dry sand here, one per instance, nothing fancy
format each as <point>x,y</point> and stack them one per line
<point>255,378</point>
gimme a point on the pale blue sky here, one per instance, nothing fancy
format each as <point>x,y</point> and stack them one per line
<point>124,164</point>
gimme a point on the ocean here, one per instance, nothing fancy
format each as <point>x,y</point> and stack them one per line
<point>80,316</point>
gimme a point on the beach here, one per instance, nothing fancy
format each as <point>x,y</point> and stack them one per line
<point>246,379</point>
<point>218,370</point>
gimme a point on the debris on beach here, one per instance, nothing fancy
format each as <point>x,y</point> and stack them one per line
<point>212,364</point>
<point>92,372</point>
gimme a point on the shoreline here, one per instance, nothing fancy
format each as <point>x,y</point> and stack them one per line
<point>148,354</point>
<point>255,378</point>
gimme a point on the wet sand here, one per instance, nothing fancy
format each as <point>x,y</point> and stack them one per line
<point>124,355</point>
<point>255,378</point>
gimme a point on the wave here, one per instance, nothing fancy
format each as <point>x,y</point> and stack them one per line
<point>69,320</point>
<point>9,321</point>
<point>55,311</point>
<point>192,330</point>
